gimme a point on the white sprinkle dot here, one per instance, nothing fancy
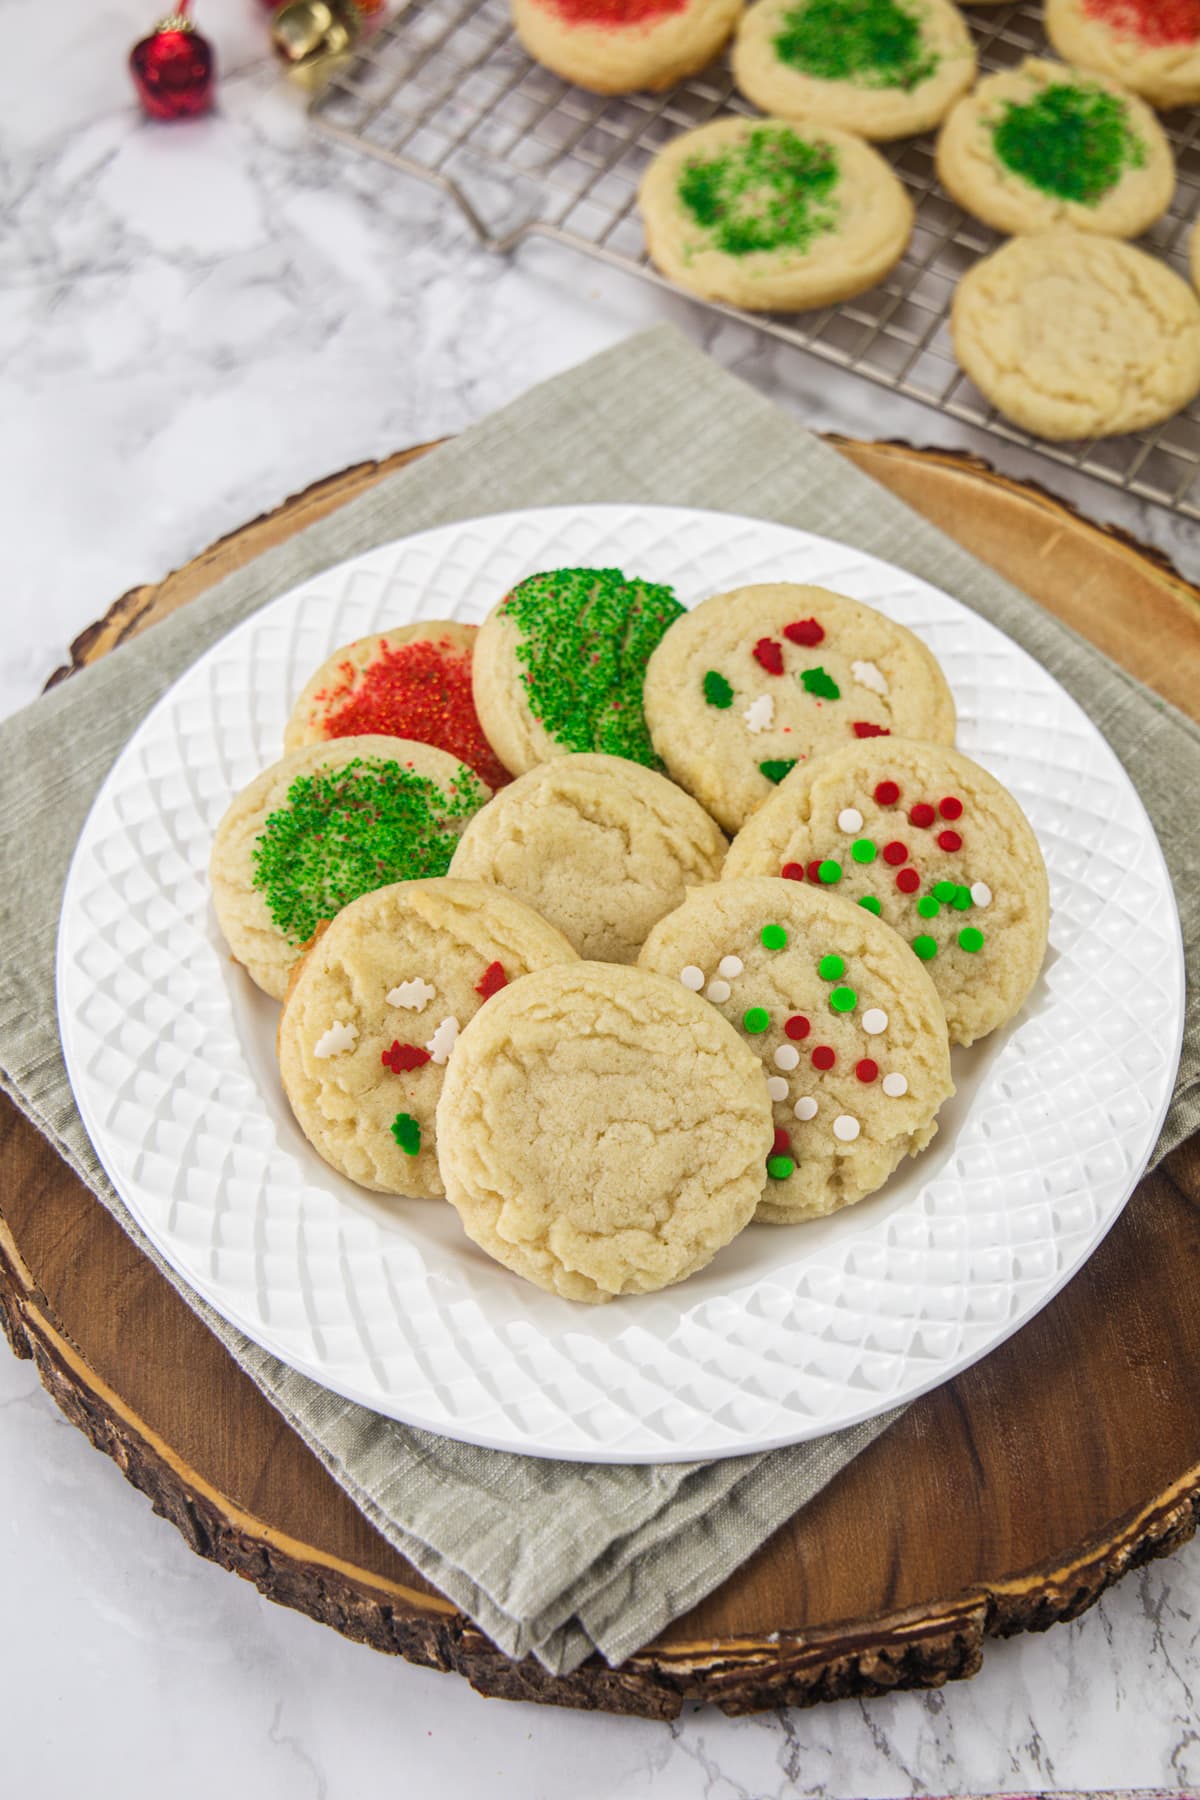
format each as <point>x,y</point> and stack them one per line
<point>717,990</point>
<point>776,1087</point>
<point>895,1085</point>
<point>806,1108</point>
<point>692,977</point>
<point>845,1128</point>
<point>981,894</point>
<point>787,1056</point>
<point>850,820</point>
<point>874,1020</point>
<point>730,967</point>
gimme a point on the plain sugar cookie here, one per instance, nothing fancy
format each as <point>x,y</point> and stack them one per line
<point>881,68</point>
<point>599,846</point>
<point>1151,46</point>
<point>751,683</point>
<point>769,215</point>
<point>373,1014</point>
<point>623,46</point>
<point>322,826</point>
<point>1071,335</point>
<point>603,1131</point>
<point>845,1021</point>
<point>1039,146</point>
<point>931,843</point>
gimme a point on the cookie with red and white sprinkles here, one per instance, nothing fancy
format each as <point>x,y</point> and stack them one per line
<point>373,1014</point>
<point>753,683</point>
<point>925,839</point>
<point>413,682</point>
<point>621,46</point>
<point>846,1022</point>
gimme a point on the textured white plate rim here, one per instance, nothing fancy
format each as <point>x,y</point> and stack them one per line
<point>436,1421</point>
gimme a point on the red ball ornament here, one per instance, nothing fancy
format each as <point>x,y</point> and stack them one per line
<point>173,70</point>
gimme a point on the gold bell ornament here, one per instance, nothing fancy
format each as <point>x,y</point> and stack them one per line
<point>314,37</point>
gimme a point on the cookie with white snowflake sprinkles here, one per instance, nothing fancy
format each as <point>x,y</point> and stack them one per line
<point>373,1014</point>
<point>846,1022</point>
<point>603,1131</point>
<point>412,682</point>
<point>559,665</point>
<point>753,683</point>
<point>324,825</point>
<point>925,839</point>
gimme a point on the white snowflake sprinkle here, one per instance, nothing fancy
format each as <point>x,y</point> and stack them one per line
<point>443,1040</point>
<point>895,1085</point>
<point>415,994</point>
<point>805,1108</point>
<point>777,1087</point>
<point>869,675</point>
<point>692,977</point>
<point>760,714</point>
<point>339,1037</point>
<point>730,967</point>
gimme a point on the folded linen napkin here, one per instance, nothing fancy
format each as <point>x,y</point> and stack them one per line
<point>558,1559</point>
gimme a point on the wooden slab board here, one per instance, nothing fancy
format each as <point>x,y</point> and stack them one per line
<point>1007,1500</point>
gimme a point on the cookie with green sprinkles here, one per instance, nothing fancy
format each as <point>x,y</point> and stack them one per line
<point>932,845</point>
<point>1043,145</point>
<point>327,823</point>
<point>882,68</point>
<point>846,1023</point>
<point>772,215</point>
<point>559,665</point>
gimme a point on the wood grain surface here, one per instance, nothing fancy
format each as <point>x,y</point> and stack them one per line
<point>1007,1500</point>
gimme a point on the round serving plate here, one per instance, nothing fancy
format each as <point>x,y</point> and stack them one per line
<point>790,1332</point>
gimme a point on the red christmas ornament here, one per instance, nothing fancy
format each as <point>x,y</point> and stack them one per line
<point>173,69</point>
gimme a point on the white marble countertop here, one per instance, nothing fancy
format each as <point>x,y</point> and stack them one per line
<point>195,322</point>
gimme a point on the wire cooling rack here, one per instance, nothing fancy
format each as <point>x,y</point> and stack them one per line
<point>444,91</point>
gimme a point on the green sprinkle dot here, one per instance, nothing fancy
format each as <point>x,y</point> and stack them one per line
<point>829,872</point>
<point>863,850</point>
<point>777,768</point>
<point>945,891</point>
<point>962,901</point>
<point>780,1167</point>
<point>717,690</point>
<point>774,937</point>
<point>817,682</point>
<point>925,947</point>
<point>756,1020</point>
<point>928,907</point>
<point>407,1133</point>
<point>871,903</point>
<point>843,1000</point>
<point>970,939</point>
<point>830,967</point>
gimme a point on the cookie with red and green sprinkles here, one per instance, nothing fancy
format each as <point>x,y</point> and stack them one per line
<point>756,682</point>
<point>846,1023</point>
<point>1151,46</point>
<point>413,682</point>
<point>559,666</point>
<point>926,840</point>
<point>373,1012</point>
<point>881,68</point>
<point>1041,145</point>
<point>324,825</point>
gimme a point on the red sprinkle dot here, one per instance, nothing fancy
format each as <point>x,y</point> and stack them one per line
<point>895,852</point>
<point>866,1070</point>
<point>823,1057</point>
<point>949,840</point>
<point>922,814</point>
<point>797,1026</point>
<point>887,793</point>
<point>402,1057</point>
<point>804,631</point>
<point>492,980</point>
<point>864,729</point>
<point>783,1142</point>
<point>814,870</point>
<point>950,808</point>
<point>792,871</point>
<point>770,655</point>
<point>908,881</point>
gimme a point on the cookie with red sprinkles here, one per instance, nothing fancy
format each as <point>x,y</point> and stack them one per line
<point>413,682</point>
<point>373,1013</point>
<point>1150,46</point>
<point>623,46</point>
<point>924,839</point>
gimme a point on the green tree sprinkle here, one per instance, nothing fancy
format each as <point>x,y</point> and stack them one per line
<point>1074,142</point>
<point>872,43</point>
<point>773,191</point>
<point>347,831</point>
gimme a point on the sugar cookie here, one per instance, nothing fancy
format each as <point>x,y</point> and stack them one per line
<point>622,46</point>
<point>1151,46</point>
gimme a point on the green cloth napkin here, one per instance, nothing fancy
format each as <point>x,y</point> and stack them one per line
<point>560,1559</point>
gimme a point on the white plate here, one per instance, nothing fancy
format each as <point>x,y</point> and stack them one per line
<point>790,1332</point>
